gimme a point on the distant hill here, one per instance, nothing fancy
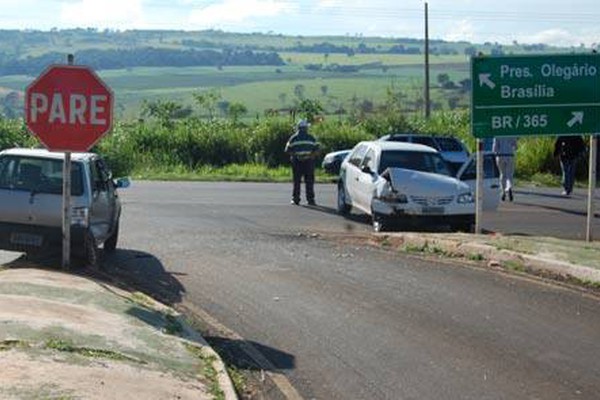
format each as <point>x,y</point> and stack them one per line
<point>29,52</point>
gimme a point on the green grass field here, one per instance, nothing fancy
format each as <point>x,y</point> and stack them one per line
<point>268,87</point>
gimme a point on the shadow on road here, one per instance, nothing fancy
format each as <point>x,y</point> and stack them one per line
<point>410,225</point>
<point>251,356</point>
<point>123,267</point>
<point>145,273</point>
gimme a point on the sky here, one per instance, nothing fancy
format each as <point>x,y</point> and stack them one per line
<point>560,23</point>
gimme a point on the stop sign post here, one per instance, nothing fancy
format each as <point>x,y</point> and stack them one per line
<point>68,108</point>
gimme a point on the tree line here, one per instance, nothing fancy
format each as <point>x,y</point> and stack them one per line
<point>141,57</point>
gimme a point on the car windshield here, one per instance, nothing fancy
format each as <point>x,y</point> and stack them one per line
<point>449,144</point>
<point>416,160</point>
<point>39,175</point>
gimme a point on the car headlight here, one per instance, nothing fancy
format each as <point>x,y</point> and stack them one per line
<point>465,198</point>
<point>80,216</point>
<point>393,197</point>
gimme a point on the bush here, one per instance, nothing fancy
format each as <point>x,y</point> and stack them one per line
<point>14,133</point>
<point>268,139</point>
<point>336,135</point>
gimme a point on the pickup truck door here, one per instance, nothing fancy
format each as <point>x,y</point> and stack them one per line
<point>491,179</point>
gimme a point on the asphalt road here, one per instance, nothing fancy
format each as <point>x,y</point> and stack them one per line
<point>346,321</point>
<point>343,320</point>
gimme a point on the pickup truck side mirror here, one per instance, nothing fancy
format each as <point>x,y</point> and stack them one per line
<point>122,183</point>
<point>366,169</point>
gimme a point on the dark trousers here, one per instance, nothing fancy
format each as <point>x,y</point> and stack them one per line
<point>568,173</point>
<point>306,169</point>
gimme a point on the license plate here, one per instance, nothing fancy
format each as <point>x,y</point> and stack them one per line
<point>26,239</point>
<point>432,210</point>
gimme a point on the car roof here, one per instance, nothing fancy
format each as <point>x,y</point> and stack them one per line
<point>415,135</point>
<point>400,146</point>
<point>43,153</point>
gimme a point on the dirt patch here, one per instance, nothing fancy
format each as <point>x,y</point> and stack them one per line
<point>38,314</point>
<point>23,377</point>
<point>44,278</point>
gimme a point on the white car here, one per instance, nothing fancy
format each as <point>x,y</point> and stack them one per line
<point>31,202</point>
<point>401,182</point>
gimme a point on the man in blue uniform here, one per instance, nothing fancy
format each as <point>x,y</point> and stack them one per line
<point>302,148</point>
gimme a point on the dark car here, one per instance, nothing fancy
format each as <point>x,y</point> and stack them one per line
<point>452,149</point>
<point>332,161</point>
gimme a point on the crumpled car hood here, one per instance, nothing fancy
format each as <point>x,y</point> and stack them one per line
<point>419,183</point>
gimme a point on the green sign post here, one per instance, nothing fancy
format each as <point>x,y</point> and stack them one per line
<point>535,95</point>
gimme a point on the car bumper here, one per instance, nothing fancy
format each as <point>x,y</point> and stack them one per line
<point>415,210</point>
<point>34,238</point>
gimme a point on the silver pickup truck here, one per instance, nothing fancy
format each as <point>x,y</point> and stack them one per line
<point>31,203</point>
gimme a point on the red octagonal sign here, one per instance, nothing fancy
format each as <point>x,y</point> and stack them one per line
<point>68,108</point>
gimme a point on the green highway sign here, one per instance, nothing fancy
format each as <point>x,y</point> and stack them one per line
<point>535,95</point>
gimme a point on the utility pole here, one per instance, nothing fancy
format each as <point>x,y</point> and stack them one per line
<point>427,102</point>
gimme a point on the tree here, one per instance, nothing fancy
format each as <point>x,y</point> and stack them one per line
<point>165,111</point>
<point>470,51</point>
<point>208,101</point>
<point>299,90</point>
<point>282,98</point>
<point>309,109</point>
<point>236,110</point>
<point>443,79</point>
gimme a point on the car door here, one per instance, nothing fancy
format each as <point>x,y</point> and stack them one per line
<point>491,179</point>
<point>351,173</point>
<point>365,185</point>
<point>102,210</point>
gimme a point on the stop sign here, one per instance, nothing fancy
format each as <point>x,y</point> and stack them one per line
<point>68,108</point>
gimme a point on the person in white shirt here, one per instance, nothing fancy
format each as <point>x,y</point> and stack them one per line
<point>505,148</point>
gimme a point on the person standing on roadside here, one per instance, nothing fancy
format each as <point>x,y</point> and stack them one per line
<point>505,149</point>
<point>568,149</point>
<point>302,148</point>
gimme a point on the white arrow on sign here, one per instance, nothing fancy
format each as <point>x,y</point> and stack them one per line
<point>577,118</point>
<point>484,79</point>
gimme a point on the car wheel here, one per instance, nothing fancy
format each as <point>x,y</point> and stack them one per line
<point>464,226</point>
<point>91,250</point>
<point>111,243</point>
<point>342,205</point>
<point>380,223</point>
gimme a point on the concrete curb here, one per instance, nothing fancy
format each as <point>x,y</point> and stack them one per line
<point>467,246</point>
<point>192,337</point>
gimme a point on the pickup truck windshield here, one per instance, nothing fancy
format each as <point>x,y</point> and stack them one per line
<point>38,175</point>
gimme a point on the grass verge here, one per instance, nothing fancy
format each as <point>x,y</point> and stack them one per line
<point>208,371</point>
<point>228,173</point>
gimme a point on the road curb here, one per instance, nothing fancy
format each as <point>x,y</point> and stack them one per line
<point>467,246</point>
<point>189,334</point>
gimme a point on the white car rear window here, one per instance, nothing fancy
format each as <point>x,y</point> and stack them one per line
<point>39,175</point>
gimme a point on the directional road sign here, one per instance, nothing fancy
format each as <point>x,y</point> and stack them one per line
<point>535,95</point>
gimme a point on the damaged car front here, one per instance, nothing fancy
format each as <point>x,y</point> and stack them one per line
<point>409,196</point>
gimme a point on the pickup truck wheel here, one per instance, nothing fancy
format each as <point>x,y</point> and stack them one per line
<point>342,205</point>
<point>91,250</point>
<point>380,222</point>
<point>111,243</point>
<point>464,226</point>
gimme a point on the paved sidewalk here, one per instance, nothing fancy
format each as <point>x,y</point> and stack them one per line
<point>71,337</point>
